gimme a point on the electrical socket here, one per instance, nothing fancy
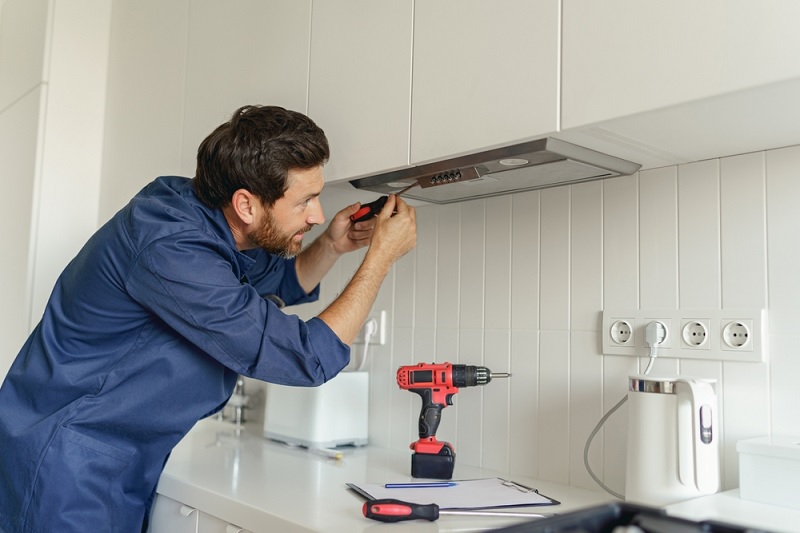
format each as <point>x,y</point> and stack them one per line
<point>736,335</point>
<point>715,334</point>
<point>621,332</point>
<point>379,337</point>
<point>694,334</point>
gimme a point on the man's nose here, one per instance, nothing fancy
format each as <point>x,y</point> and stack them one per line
<point>317,216</point>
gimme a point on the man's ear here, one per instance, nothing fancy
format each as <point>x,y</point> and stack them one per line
<point>245,205</point>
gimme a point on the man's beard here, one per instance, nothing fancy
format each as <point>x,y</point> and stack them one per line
<point>270,239</point>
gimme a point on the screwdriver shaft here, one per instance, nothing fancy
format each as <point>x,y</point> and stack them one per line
<point>515,514</point>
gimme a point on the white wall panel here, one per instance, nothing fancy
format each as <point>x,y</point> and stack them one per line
<point>448,270</point>
<point>553,443</point>
<point>743,231</point>
<point>425,280</point>
<point>620,242</point>
<point>698,232</point>
<point>403,294</point>
<point>554,259</point>
<point>525,260</point>
<point>524,397</point>
<point>783,221</point>
<point>472,263</point>
<point>496,397</point>
<point>658,238</point>
<point>498,263</point>
<point>586,257</point>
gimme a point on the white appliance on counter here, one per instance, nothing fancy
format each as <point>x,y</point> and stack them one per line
<point>673,439</point>
<point>334,414</point>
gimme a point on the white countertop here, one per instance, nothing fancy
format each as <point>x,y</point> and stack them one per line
<point>730,508</point>
<point>264,486</point>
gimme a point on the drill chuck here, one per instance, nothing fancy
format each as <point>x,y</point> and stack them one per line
<point>470,375</point>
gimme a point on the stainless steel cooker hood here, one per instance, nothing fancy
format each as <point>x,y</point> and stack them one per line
<point>519,167</point>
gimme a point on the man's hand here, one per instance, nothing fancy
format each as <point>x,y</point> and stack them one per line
<point>395,232</point>
<point>346,236</point>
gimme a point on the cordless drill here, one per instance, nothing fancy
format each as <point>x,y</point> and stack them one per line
<point>436,384</point>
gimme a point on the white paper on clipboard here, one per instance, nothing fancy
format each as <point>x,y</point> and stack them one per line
<point>486,493</point>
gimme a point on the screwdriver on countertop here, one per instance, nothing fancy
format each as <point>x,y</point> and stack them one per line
<point>391,510</point>
<point>371,209</point>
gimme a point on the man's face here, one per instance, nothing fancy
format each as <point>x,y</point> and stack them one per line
<point>281,229</point>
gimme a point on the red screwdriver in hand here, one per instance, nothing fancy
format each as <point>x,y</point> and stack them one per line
<point>391,510</point>
<point>367,211</point>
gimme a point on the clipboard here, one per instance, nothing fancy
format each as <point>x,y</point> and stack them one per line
<point>470,494</point>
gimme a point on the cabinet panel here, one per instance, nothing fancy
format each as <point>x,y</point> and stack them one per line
<point>360,83</point>
<point>239,53</point>
<point>19,130</point>
<point>144,118</point>
<point>485,73</point>
<point>23,29</point>
<point>622,57</point>
<point>170,516</point>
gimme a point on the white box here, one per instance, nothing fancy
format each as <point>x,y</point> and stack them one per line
<point>769,470</point>
<point>334,414</point>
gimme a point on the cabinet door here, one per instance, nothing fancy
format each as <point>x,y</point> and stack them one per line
<point>212,524</point>
<point>622,57</point>
<point>360,83</point>
<point>485,73</point>
<point>244,52</point>
<point>170,516</point>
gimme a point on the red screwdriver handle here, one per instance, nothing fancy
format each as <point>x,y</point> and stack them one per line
<point>369,210</point>
<point>391,510</point>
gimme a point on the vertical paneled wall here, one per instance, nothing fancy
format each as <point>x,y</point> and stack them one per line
<point>519,283</point>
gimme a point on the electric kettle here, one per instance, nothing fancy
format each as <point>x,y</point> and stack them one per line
<point>673,439</point>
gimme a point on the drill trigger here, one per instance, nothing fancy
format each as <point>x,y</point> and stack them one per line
<point>449,398</point>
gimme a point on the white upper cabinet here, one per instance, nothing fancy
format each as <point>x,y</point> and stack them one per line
<point>239,53</point>
<point>669,82</point>
<point>485,74</point>
<point>622,57</point>
<point>23,30</point>
<point>360,83</point>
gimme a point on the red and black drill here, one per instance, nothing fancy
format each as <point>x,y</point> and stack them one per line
<point>436,384</point>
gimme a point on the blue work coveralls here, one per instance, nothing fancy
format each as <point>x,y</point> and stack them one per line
<point>144,334</point>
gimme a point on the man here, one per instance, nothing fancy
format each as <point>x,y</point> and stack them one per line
<point>148,327</point>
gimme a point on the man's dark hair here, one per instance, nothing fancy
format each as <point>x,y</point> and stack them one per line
<point>255,151</point>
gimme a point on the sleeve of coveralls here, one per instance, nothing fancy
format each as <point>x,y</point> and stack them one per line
<point>190,285</point>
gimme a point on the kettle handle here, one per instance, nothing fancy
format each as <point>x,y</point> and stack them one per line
<point>698,435</point>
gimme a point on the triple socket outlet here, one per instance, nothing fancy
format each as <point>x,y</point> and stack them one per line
<point>719,334</point>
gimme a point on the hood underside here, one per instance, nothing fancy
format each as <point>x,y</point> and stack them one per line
<point>515,168</point>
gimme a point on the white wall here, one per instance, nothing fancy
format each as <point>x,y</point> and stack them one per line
<point>53,63</point>
<point>519,283</point>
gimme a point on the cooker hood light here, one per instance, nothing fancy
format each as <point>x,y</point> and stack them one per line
<point>515,168</point>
